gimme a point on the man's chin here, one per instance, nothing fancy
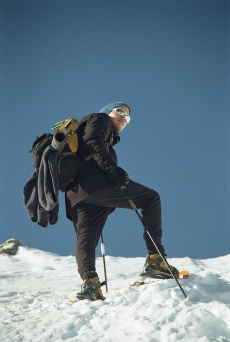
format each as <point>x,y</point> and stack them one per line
<point>118,130</point>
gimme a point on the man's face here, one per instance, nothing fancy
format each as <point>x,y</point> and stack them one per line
<point>119,121</point>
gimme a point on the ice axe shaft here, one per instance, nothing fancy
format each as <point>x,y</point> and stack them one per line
<point>103,256</point>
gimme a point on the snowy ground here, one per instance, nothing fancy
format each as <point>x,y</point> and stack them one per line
<point>35,287</point>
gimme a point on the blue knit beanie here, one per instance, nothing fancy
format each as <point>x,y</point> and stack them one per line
<point>109,107</point>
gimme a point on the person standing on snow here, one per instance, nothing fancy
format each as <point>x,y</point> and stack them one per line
<point>96,192</point>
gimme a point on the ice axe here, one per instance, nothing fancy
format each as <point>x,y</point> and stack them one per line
<point>103,256</point>
<point>123,188</point>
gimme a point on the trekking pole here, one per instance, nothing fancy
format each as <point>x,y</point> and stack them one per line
<point>146,230</point>
<point>103,256</point>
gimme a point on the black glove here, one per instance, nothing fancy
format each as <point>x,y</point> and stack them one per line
<point>119,177</point>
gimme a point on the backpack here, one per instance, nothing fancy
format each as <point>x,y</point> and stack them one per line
<point>67,162</point>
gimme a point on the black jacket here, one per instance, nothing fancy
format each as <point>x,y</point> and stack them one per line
<point>96,137</point>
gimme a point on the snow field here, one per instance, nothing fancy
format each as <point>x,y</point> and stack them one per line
<point>35,287</point>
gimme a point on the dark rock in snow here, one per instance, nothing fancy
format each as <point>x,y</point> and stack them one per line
<point>10,247</point>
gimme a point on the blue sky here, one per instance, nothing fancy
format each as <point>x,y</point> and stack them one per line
<point>169,61</point>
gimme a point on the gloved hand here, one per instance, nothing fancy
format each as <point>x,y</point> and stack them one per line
<point>119,177</point>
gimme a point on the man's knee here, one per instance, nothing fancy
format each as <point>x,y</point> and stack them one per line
<point>153,201</point>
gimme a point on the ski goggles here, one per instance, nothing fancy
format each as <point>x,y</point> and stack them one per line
<point>122,113</point>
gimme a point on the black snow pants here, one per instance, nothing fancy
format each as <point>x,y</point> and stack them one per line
<point>89,217</point>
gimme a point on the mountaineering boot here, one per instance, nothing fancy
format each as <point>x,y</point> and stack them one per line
<point>155,267</point>
<point>91,290</point>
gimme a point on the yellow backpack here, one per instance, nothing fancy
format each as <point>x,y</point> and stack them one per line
<point>65,140</point>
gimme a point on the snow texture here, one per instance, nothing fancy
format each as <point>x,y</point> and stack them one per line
<point>36,286</point>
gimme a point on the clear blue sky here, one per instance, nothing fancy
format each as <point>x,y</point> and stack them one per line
<point>169,60</point>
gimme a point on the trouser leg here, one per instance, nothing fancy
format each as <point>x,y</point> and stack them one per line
<point>145,199</point>
<point>88,221</point>
<point>151,213</point>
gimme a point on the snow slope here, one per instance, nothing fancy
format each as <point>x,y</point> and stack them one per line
<point>35,287</point>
